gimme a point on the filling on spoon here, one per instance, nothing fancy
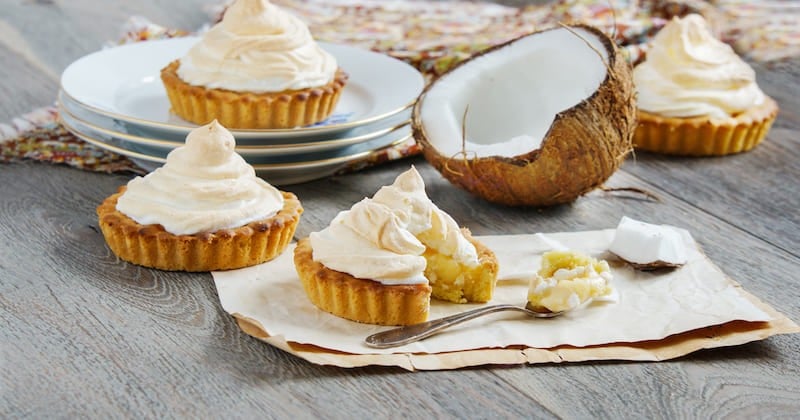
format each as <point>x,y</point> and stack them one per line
<point>566,280</point>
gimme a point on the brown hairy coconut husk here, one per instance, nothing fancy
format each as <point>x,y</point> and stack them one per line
<point>567,91</point>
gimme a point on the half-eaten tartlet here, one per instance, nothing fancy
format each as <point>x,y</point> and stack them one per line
<point>259,68</point>
<point>204,210</point>
<point>381,261</point>
<point>696,97</point>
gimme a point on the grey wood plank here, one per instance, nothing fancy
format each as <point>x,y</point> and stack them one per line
<point>84,334</point>
<point>710,384</point>
<point>39,39</point>
<point>58,32</point>
<point>89,334</point>
<point>781,81</point>
<point>756,190</point>
<point>134,330</point>
<point>31,87</point>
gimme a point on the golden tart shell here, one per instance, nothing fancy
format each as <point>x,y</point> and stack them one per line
<point>152,246</point>
<point>360,300</point>
<point>248,110</point>
<point>702,136</point>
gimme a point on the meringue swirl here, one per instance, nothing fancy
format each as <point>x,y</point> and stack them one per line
<point>690,73</point>
<point>383,238</point>
<point>370,241</point>
<point>204,186</point>
<point>257,47</point>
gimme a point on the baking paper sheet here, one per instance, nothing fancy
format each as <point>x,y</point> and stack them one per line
<point>647,308</point>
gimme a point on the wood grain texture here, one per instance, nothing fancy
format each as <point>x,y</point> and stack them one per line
<point>85,334</point>
<point>33,87</point>
<point>88,333</point>
<point>39,39</point>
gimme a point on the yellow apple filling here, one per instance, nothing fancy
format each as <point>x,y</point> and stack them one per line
<point>456,282</point>
<point>568,279</point>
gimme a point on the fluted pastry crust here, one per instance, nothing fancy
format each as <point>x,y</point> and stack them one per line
<point>357,299</point>
<point>152,246</point>
<point>247,110</point>
<point>701,136</point>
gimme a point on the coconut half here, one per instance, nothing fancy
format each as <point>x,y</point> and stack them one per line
<point>539,120</point>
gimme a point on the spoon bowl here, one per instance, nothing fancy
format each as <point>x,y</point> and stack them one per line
<point>411,333</point>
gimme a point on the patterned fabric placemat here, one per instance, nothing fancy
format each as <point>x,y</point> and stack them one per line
<point>433,36</point>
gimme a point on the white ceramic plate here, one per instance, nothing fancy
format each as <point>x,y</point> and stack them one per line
<point>280,174</point>
<point>283,169</point>
<point>124,83</point>
<point>289,174</point>
<point>100,128</point>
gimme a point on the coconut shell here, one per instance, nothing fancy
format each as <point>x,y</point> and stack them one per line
<point>582,149</point>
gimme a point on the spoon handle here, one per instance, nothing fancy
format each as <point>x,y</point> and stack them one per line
<point>411,333</point>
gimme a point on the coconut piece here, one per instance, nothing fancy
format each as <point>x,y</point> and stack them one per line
<point>648,247</point>
<point>536,121</point>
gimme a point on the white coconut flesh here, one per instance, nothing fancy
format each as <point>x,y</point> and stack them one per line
<point>644,243</point>
<point>513,94</point>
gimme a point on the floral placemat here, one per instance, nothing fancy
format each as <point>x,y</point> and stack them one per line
<point>433,36</point>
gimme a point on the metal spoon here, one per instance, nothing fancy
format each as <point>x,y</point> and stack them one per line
<point>411,333</point>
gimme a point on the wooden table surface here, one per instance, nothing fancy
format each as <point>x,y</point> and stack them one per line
<point>85,335</point>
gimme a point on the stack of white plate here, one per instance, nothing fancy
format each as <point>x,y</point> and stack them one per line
<point>114,99</point>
